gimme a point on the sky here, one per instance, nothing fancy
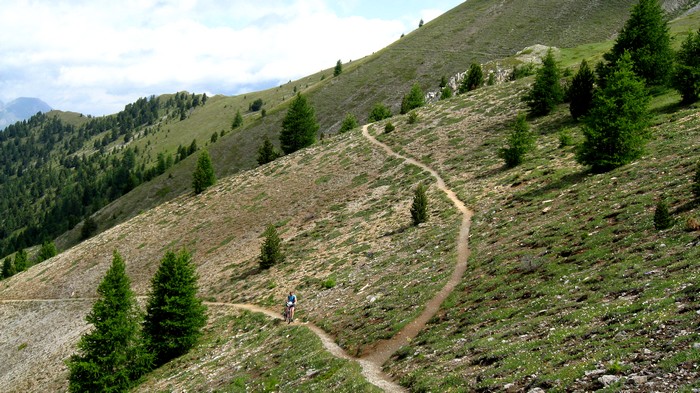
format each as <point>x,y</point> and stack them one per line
<point>96,56</point>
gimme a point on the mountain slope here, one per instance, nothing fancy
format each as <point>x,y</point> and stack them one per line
<point>21,109</point>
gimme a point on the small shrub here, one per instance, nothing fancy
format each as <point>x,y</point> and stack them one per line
<point>615,368</point>
<point>692,224</point>
<point>328,283</point>
<point>566,138</point>
<point>662,218</point>
<point>446,93</point>
<point>379,112</point>
<point>412,117</point>
<point>389,127</point>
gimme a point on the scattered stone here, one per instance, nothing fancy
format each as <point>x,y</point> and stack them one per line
<point>536,390</point>
<point>638,380</point>
<point>608,380</point>
<point>510,388</point>
<point>696,345</point>
<point>593,373</point>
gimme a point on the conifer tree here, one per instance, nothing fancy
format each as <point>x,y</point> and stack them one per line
<point>21,261</point>
<point>520,142</point>
<point>419,208</point>
<point>414,99</point>
<point>546,92</point>
<point>349,123</point>
<point>237,120</point>
<point>338,68</point>
<point>686,77</point>
<point>110,357</point>
<point>473,80</point>
<point>446,93</point>
<point>581,91</point>
<point>270,251</point>
<point>616,128</point>
<point>8,268</point>
<point>379,112</point>
<point>267,152</point>
<point>203,175</point>
<point>175,315</point>
<point>646,37</point>
<point>47,250</point>
<point>662,217</point>
<point>299,126</point>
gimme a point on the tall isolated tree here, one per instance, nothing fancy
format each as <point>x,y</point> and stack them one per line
<point>473,80</point>
<point>237,120</point>
<point>414,99</point>
<point>546,92</point>
<point>419,207</point>
<point>349,123</point>
<point>686,77</point>
<point>271,250</point>
<point>203,175</point>
<point>299,126</point>
<point>581,91</point>
<point>175,315</point>
<point>110,357</point>
<point>520,141</point>
<point>338,68</point>
<point>267,152</point>
<point>646,37</point>
<point>616,128</point>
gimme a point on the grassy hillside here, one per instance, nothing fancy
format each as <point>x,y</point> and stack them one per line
<point>475,31</point>
<point>567,281</point>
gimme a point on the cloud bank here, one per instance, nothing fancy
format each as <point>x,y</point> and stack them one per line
<point>94,57</point>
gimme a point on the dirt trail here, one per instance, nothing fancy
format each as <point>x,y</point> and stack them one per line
<point>372,363</point>
<point>386,348</point>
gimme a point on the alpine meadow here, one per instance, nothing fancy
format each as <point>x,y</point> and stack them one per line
<point>505,199</point>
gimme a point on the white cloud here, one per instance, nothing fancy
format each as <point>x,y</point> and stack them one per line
<point>96,56</point>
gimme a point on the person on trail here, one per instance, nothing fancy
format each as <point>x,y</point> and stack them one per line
<point>291,303</point>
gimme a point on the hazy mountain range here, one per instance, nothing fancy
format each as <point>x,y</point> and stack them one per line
<point>19,109</point>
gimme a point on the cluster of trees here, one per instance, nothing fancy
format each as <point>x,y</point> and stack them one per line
<point>21,261</point>
<point>123,344</point>
<point>47,186</point>
<point>613,101</point>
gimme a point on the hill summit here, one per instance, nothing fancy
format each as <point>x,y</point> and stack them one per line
<point>21,108</point>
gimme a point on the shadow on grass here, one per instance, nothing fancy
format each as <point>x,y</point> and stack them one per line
<point>246,273</point>
<point>563,182</point>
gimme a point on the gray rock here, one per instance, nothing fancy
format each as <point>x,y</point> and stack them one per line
<point>608,380</point>
<point>536,390</point>
<point>638,380</point>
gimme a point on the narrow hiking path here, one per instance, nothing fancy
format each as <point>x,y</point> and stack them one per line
<point>384,349</point>
<point>372,363</point>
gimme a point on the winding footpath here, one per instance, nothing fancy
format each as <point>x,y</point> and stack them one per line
<point>372,363</point>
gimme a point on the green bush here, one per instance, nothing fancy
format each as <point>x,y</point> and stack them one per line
<point>662,217</point>
<point>379,112</point>
<point>412,117</point>
<point>389,127</point>
<point>520,141</point>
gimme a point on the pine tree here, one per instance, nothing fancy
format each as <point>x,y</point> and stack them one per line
<point>379,112</point>
<point>8,268</point>
<point>203,175</point>
<point>414,99</point>
<point>47,250</point>
<point>237,120</point>
<point>646,37</point>
<point>686,77</point>
<point>270,251</point>
<point>662,217</point>
<point>338,68</point>
<point>419,208</point>
<point>446,93</point>
<point>90,225</point>
<point>174,315</point>
<point>21,261</point>
<point>110,357</point>
<point>267,152</point>
<point>473,80</point>
<point>520,142</point>
<point>299,126</point>
<point>546,92</point>
<point>616,128</point>
<point>581,91</point>
<point>349,123</point>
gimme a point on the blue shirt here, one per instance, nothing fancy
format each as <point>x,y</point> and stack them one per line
<point>292,298</point>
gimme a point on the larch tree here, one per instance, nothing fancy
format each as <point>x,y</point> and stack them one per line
<point>175,315</point>
<point>338,68</point>
<point>237,120</point>
<point>473,80</point>
<point>299,126</point>
<point>686,77</point>
<point>646,38</point>
<point>520,141</point>
<point>414,99</point>
<point>267,152</point>
<point>110,356</point>
<point>8,268</point>
<point>203,175</point>
<point>271,249</point>
<point>546,92</point>
<point>419,207</point>
<point>581,91</point>
<point>616,128</point>
<point>21,261</point>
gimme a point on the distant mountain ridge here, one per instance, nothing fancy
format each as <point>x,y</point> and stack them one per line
<point>19,109</point>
